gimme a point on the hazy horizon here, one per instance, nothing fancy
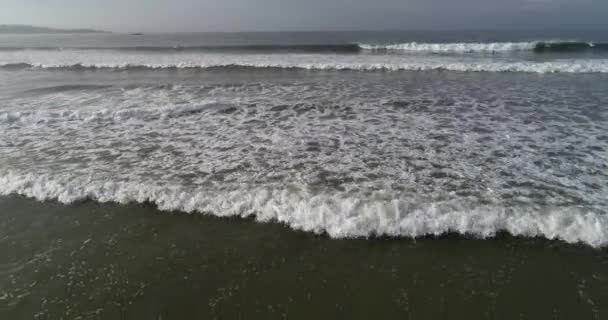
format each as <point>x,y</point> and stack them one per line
<point>402,30</point>
<point>273,15</point>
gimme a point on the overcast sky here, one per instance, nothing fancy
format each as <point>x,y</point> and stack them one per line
<point>281,15</point>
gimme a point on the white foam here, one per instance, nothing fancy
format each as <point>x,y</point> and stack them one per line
<point>53,116</point>
<point>402,157</point>
<point>338,214</point>
<point>472,47</point>
<point>462,47</point>
<point>574,66</point>
<point>362,62</point>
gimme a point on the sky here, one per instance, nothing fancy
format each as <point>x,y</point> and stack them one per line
<point>305,15</point>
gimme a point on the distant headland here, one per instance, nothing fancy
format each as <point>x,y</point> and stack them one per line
<point>24,29</point>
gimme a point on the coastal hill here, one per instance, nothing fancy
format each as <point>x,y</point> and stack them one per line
<point>23,29</point>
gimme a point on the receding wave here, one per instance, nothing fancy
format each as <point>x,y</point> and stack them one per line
<point>495,47</point>
<point>339,215</point>
<point>54,116</point>
<point>563,66</point>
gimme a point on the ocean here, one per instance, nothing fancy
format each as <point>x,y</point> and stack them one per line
<point>418,175</point>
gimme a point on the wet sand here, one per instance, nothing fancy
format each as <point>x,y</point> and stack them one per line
<point>108,261</point>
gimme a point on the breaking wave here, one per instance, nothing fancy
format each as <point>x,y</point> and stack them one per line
<point>454,47</point>
<point>562,66</point>
<point>320,57</point>
<point>339,214</point>
<point>495,47</point>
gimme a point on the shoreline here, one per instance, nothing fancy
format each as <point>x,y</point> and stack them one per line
<point>107,261</point>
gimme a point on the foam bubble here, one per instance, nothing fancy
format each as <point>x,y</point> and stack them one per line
<point>47,117</point>
<point>349,154</point>
<point>338,214</point>
<point>362,62</point>
<point>454,47</point>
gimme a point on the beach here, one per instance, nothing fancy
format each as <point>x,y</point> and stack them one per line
<point>93,261</point>
<point>303,175</point>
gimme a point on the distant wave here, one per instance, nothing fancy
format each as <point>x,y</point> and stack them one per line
<point>569,46</point>
<point>339,215</point>
<point>495,47</point>
<point>279,48</point>
<point>464,47</point>
<point>564,66</point>
<point>133,60</point>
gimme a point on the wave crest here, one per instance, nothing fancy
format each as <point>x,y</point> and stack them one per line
<point>353,48</point>
<point>491,47</point>
<point>453,47</point>
<point>563,66</point>
<point>339,214</point>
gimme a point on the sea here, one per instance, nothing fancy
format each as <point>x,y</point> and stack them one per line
<point>304,175</point>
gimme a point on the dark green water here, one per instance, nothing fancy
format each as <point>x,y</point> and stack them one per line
<point>93,261</point>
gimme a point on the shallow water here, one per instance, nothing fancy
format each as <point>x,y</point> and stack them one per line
<point>175,174</point>
<point>124,262</point>
<point>346,153</point>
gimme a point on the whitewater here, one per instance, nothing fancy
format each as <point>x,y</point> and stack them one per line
<point>108,59</point>
<point>340,215</point>
<point>318,154</point>
<point>350,138</point>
